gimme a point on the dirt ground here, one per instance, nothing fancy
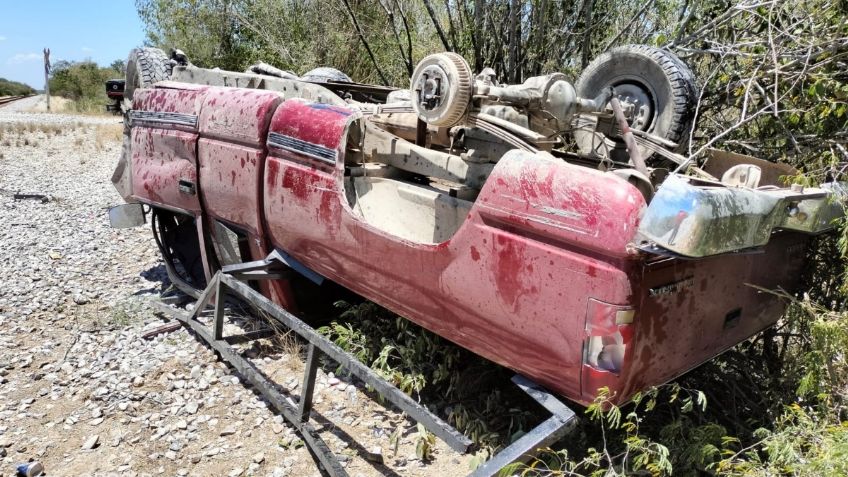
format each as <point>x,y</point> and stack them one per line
<point>83,393</point>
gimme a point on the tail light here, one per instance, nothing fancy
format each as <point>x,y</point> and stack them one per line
<point>606,339</point>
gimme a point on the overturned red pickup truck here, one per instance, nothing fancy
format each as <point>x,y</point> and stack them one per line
<point>550,227</point>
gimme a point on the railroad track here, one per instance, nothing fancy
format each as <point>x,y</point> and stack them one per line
<point>9,99</point>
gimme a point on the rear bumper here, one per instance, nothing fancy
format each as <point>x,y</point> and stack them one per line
<point>699,220</point>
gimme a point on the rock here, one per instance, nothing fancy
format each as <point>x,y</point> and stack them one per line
<point>375,455</point>
<point>195,459</point>
<point>258,458</point>
<point>192,407</point>
<point>228,431</point>
<point>91,442</point>
<point>235,472</point>
<point>123,405</point>
<point>80,299</point>
<point>96,412</point>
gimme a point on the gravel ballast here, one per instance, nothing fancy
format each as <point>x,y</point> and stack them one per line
<point>83,393</point>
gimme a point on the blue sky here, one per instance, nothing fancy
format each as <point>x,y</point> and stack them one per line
<point>74,30</point>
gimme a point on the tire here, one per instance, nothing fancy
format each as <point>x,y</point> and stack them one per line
<point>325,74</point>
<point>145,66</point>
<point>176,237</point>
<point>645,72</point>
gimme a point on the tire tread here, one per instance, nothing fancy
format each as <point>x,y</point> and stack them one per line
<point>683,88</point>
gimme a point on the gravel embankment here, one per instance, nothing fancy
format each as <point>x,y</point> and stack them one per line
<point>83,393</point>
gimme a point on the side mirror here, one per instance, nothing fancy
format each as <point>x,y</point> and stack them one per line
<point>125,216</point>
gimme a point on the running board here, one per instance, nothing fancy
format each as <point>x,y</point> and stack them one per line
<point>228,282</point>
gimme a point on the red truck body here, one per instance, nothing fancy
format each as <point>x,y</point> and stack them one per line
<point>540,273</point>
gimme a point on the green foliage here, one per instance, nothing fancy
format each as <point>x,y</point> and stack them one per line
<point>805,443</point>
<point>83,83</point>
<point>13,88</point>
<point>402,356</point>
<point>424,443</point>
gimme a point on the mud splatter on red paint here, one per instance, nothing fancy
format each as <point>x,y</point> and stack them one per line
<point>294,181</point>
<point>273,170</point>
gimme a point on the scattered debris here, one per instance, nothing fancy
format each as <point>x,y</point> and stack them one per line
<point>39,197</point>
<point>91,442</point>
<point>166,328</point>
<point>375,455</point>
<point>30,469</point>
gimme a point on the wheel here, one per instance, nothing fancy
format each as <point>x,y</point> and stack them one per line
<point>324,74</point>
<point>176,237</point>
<point>441,89</point>
<point>145,66</point>
<point>657,82</point>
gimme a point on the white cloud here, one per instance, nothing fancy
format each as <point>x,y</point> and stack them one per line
<point>86,49</point>
<point>2,38</point>
<point>23,58</point>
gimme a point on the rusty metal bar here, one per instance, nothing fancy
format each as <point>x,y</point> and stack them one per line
<point>541,436</point>
<point>305,406</point>
<point>218,330</point>
<point>166,328</point>
<point>629,140</point>
<point>420,133</point>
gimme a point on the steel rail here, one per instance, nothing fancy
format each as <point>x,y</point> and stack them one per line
<point>10,99</point>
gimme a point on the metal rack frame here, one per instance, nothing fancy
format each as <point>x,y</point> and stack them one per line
<point>232,281</point>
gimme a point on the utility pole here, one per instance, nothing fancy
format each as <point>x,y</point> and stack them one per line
<point>47,76</point>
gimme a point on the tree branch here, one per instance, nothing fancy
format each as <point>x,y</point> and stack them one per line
<point>365,43</point>
<point>436,24</point>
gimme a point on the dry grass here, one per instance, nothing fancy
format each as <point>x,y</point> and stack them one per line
<point>58,104</point>
<point>107,134</point>
<point>28,133</point>
<point>19,128</point>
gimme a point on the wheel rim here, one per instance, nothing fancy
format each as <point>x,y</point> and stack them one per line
<point>432,88</point>
<point>643,98</point>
